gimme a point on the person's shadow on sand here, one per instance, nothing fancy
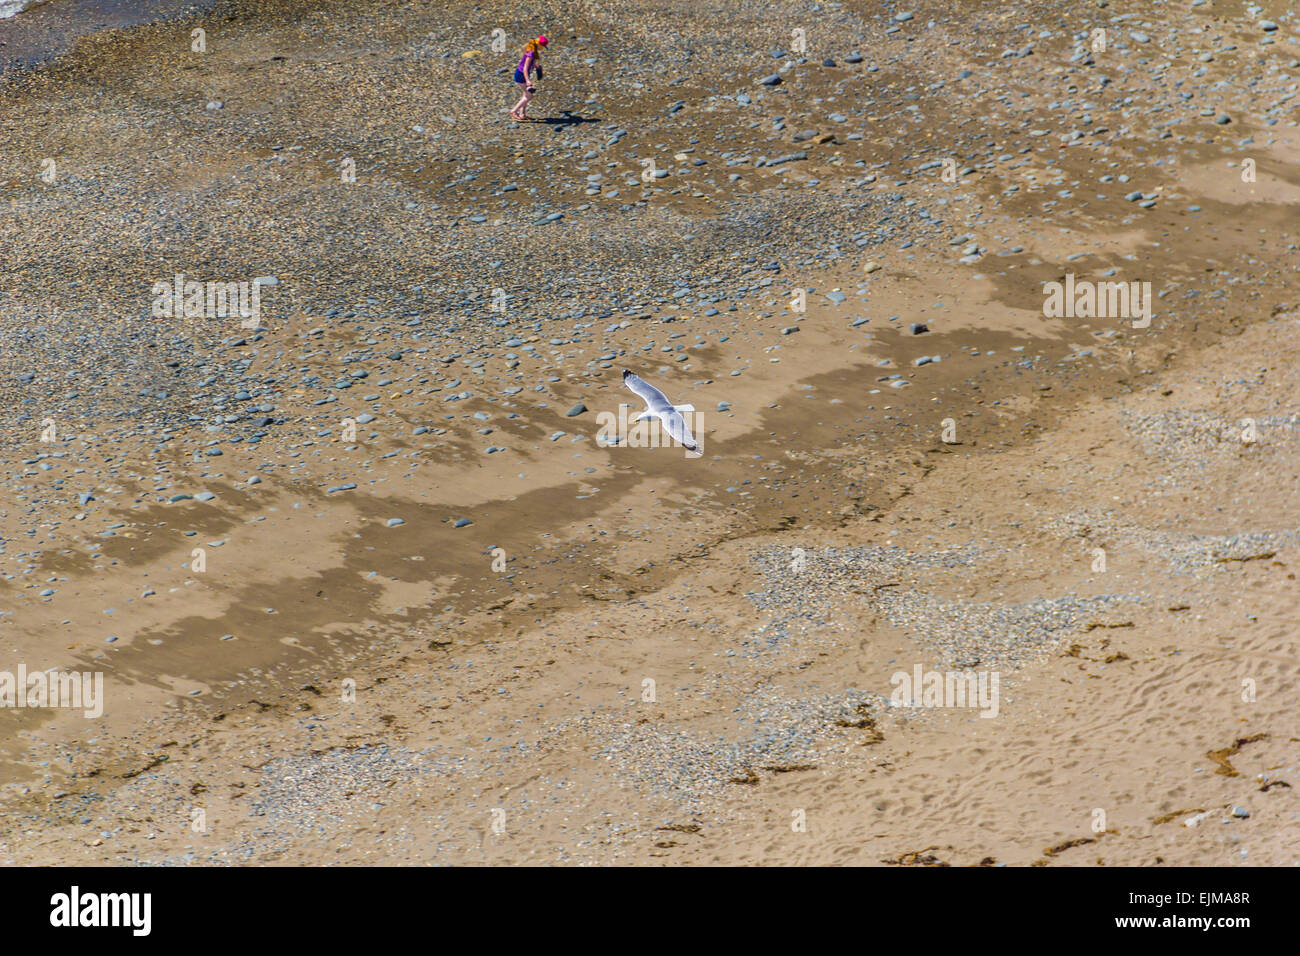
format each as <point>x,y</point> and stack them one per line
<point>565,120</point>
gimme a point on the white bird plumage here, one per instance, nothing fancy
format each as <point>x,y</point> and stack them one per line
<point>658,406</point>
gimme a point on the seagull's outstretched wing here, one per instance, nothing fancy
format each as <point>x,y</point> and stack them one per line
<point>655,399</point>
<point>676,426</point>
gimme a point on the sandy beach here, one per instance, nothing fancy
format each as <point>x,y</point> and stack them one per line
<point>990,321</point>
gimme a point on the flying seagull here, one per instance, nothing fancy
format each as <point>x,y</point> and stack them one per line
<point>658,406</point>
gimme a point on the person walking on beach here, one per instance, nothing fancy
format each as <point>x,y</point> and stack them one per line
<point>530,67</point>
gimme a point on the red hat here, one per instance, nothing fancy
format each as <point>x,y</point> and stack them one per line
<point>541,41</point>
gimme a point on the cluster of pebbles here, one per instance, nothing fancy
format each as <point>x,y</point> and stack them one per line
<point>1185,439</point>
<point>1183,552</point>
<point>773,732</point>
<point>462,230</point>
<point>812,593</point>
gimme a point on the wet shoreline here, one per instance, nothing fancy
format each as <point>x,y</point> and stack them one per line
<point>42,33</point>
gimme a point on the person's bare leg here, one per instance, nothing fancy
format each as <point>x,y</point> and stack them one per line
<point>523,104</point>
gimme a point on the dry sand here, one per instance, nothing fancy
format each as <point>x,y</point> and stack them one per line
<point>626,655</point>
